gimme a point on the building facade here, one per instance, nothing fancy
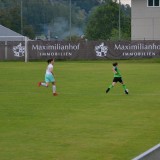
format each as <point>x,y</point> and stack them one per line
<point>145,20</point>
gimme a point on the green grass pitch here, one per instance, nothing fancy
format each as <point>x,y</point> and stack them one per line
<point>83,122</point>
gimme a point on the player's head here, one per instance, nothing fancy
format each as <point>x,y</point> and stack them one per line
<point>50,60</point>
<point>115,64</point>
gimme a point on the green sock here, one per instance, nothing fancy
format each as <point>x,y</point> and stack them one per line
<point>110,86</point>
<point>124,86</point>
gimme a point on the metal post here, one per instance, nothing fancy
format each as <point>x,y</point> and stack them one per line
<point>119,19</point>
<point>21,17</point>
<point>70,18</point>
<point>6,50</point>
<point>26,49</point>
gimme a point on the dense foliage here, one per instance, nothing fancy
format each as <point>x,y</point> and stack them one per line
<point>104,23</point>
<point>54,19</point>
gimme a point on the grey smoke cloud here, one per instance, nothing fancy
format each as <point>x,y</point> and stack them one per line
<point>60,28</point>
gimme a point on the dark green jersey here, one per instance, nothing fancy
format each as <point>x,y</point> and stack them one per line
<point>118,74</point>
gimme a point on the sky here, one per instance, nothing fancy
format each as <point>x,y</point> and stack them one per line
<point>126,2</point>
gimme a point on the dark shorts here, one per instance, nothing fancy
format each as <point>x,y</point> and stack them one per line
<point>117,79</point>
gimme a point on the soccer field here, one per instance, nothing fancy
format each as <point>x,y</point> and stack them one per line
<point>82,122</point>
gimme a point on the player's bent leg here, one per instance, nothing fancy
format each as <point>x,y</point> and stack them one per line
<point>54,89</point>
<point>111,86</point>
<point>125,88</point>
<point>43,84</point>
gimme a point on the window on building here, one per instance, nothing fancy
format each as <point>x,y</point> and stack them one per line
<point>150,2</point>
<point>154,3</point>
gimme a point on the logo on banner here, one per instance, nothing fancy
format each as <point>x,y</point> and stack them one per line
<point>101,50</point>
<point>19,50</point>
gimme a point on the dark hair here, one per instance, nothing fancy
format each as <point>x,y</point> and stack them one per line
<point>115,64</point>
<point>50,60</point>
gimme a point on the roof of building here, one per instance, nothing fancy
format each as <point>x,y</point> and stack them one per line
<point>8,34</point>
<point>4,31</point>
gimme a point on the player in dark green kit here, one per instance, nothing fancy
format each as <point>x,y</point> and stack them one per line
<point>117,78</point>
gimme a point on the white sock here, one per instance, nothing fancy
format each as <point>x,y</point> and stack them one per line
<point>44,84</point>
<point>54,88</point>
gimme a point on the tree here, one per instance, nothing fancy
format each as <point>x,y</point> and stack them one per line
<point>104,23</point>
<point>28,31</point>
<point>11,18</point>
<point>87,5</point>
<point>41,17</point>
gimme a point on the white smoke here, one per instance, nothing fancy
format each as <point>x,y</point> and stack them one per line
<point>60,29</point>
